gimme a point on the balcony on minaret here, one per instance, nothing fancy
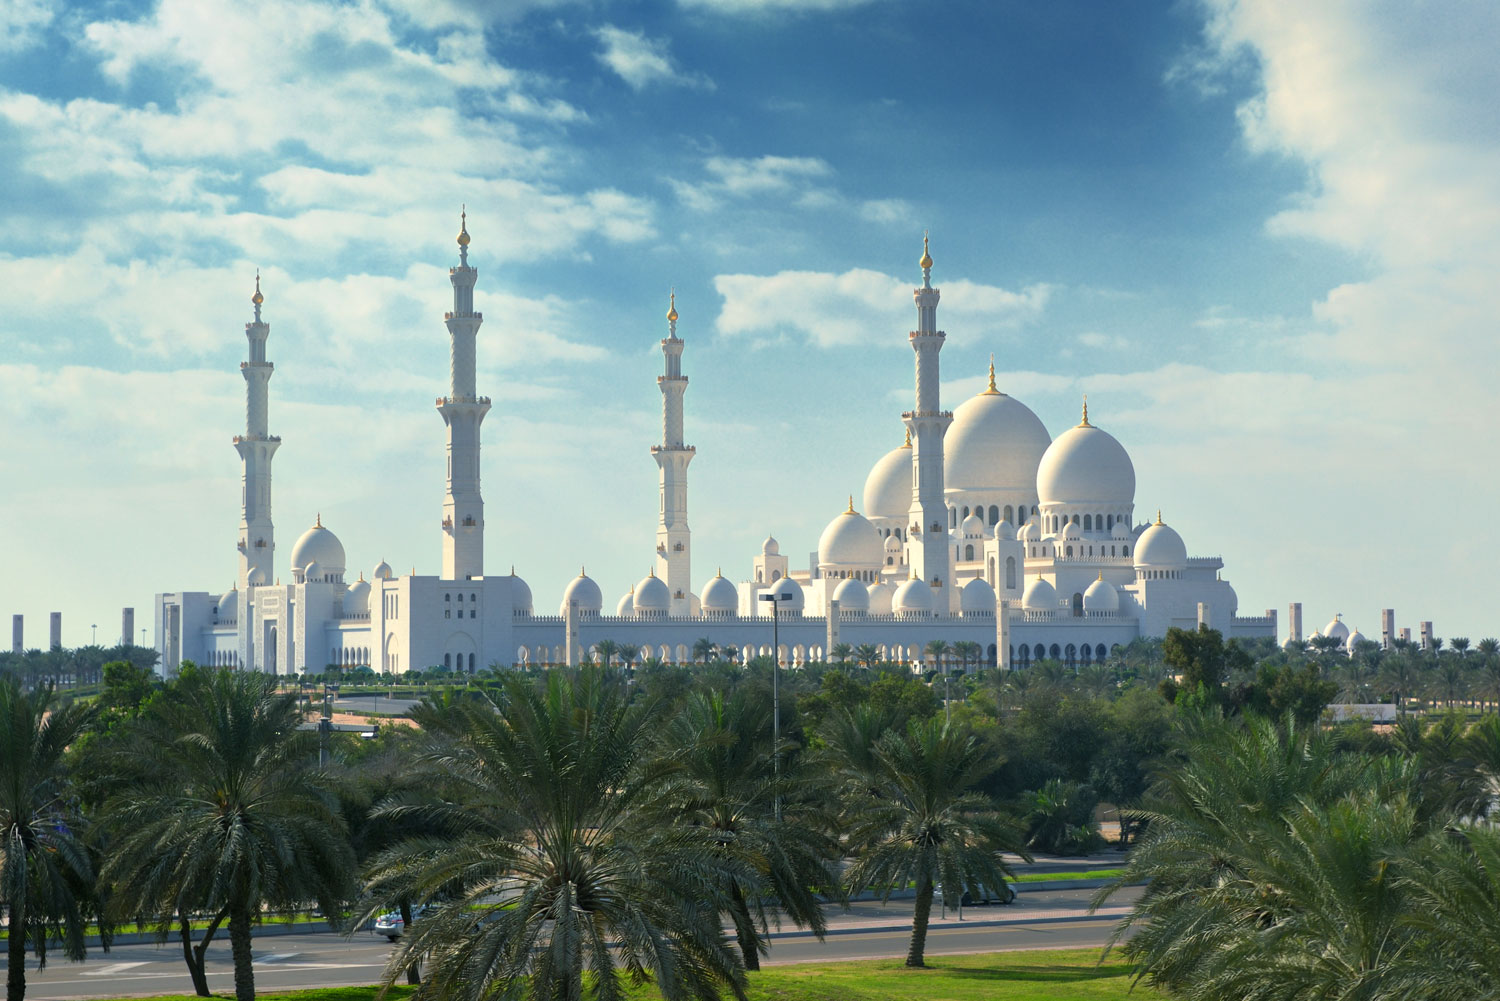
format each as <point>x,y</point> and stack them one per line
<point>674,448</point>
<point>463,316</point>
<point>448,525</point>
<point>256,437</point>
<point>469,521</point>
<point>910,414</point>
<point>444,401</point>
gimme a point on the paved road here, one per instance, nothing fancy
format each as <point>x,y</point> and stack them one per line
<point>285,962</point>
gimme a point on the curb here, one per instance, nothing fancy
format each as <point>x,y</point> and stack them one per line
<point>982,923</point>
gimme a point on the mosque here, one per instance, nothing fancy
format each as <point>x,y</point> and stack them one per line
<point>981,529</point>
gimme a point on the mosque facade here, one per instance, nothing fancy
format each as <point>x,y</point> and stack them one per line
<point>981,528</point>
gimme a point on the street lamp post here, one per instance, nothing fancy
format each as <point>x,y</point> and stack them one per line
<point>93,634</point>
<point>776,598</point>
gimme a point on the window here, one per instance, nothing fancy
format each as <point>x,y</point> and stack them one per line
<point>447,597</point>
<point>447,613</point>
<point>1088,522</point>
<point>473,597</point>
<point>1010,572</point>
<point>460,597</point>
<point>448,660</point>
<point>969,552</point>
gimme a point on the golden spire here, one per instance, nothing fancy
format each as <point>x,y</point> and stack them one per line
<point>1085,423</point>
<point>652,573</point>
<point>1101,574</point>
<point>463,226</point>
<point>991,391</point>
<point>908,439</point>
<point>851,505</point>
<point>1158,516</point>
<point>672,307</point>
<point>512,569</point>
<point>361,575</point>
<point>926,261</point>
<point>580,571</point>
<point>257,298</point>
<point>413,571</point>
<point>319,522</point>
<point>720,572</point>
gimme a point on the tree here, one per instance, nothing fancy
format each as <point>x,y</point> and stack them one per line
<point>44,870</point>
<point>939,650</point>
<point>968,652</point>
<point>221,809</point>
<point>704,650</point>
<point>867,654</point>
<point>841,653</point>
<point>552,788</point>
<point>919,819</point>
<point>1202,657</point>
<point>606,649</point>
<point>724,782</point>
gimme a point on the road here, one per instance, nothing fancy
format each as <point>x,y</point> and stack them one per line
<point>324,959</point>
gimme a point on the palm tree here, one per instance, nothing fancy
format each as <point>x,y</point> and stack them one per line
<point>556,782</point>
<point>1460,645</point>
<point>921,820</point>
<point>606,649</point>
<point>724,782</point>
<point>704,650</point>
<point>43,866</point>
<point>222,810</point>
<point>938,650</point>
<point>1401,678</point>
<point>628,652</point>
<point>841,653</point>
<point>867,654</point>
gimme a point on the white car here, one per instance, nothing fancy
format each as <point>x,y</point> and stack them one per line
<point>391,925</point>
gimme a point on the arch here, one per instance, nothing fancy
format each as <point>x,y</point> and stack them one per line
<point>1077,603</point>
<point>1085,654</point>
<point>1024,654</point>
<point>966,510</point>
<point>1041,652</point>
<point>1008,517</point>
<point>1070,655</point>
<point>680,655</point>
<point>448,661</point>
<point>799,655</point>
<point>1055,652</point>
<point>471,663</point>
<point>1070,552</point>
<point>994,514</point>
<point>1109,522</point>
<point>1124,550</point>
<point>1099,653</point>
<point>775,576</point>
<point>952,517</point>
<point>1088,523</point>
<point>1010,572</point>
<point>992,652</point>
<point>969,552</point>
<point>783,655</point>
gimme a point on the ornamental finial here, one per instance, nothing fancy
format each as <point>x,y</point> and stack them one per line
<point>1085,423</point>
<point>257,298</point>
<point>926,261</point>
<point>851,505</point>
<point>908,439</point>
<point>319,522</point>
<point>991,391</point>
<point>463,226</point>
<point>672,307</point>
<point>1158,516</point>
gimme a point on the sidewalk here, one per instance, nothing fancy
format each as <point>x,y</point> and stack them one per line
<point>1036,908</point>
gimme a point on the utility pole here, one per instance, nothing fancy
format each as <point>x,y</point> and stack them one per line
<point>776,598</point>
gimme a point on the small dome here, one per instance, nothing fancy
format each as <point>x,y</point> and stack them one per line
<point>912,596</point>
<point>973,526</point>
<point>1288,643</point>
<point>1086,465</point>
<point>357,598</point>
<point>720,595</point>
<point>789,587</point>
<point>626,607</point>
<point>520,594</point>
<point>1030,532</point>
<point>850,541</point>
<point>888,487</point>
<point>652,596</point>
<point>585,592</point>
<point>1355,638</point>
<point>852,595</point>
<point>880,598</point>
<point>770,547</point>
<point>312,572</point>
<point>1120,531</point>
<point>382,571</point>
<point>1005,532</point>
<point>1160,546</point>
<point>319,545</point>
<point>893,544</point>
<point>1071,531</point>
<point>1336,628</point>
<point>1040,596</point>
<point>977,596</point>
<point>229,602</point>
<point>1101,596</point>
<point>256,577</point>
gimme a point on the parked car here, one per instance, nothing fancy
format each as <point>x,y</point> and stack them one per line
<point>1003,894</point>
<point>391,925</point>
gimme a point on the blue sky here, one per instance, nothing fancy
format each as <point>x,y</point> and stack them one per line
<point>1261,237</point>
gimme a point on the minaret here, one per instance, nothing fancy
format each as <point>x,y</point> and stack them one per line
<point>928,423</point>
<point>463,412</point>
<point>674,547</point>
<point>257,544</point>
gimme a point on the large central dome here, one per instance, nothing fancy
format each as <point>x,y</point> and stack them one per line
<point>994,443</point>
<point>1086,465</point>
<point>888,487</point>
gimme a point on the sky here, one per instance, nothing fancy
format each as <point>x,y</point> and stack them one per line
<point>1262,236</point>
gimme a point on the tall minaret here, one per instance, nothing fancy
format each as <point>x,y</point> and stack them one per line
<point>463,412</point>
<point>256,446</point>
<point>674,545</point>
<point>928,543</point>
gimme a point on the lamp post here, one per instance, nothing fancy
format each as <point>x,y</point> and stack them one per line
<point>776,598</point>
<point>93,634</point>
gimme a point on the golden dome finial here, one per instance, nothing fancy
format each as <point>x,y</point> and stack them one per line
<point>1158,516</point>
<point>908,439</point>
<point>851,505</point>
<point>257,298</point>
<point>652,573</point>
<point>926,261</point>
<point>1101,574</point>
<point>720,572</point>
<point>1085,423</point>
<point>463,226</point>
<point>319,522</point>
<point>672,307</point>
<point>580,571</point>
<point>991,390</point>
<point>512,569</point>
<point>361,575</point>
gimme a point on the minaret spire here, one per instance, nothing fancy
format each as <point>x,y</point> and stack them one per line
<point>927,541</point>
<point>463,411</point>
<point>674,548</point>
<point>257,446</point>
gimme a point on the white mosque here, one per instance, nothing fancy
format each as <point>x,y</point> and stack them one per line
<point>981,528</point>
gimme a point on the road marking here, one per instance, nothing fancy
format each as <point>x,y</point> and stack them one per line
<point>278,957</point>
<point>116,968</point>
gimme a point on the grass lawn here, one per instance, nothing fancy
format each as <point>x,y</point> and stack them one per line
<point>1049,877</point>
<point>997,976</point>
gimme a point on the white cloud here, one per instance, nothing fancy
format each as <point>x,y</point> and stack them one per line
<point>1101,341</point>
<point>641,61</point>
<point>887,210</point>
<point>772,6</point>
<point>859,306</point>
<point>22,23</point>
<point>790,177</point>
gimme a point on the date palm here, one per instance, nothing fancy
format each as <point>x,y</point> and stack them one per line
<point>44,869</point>
<point>867,654</point>
<point>724,782</point>
<point>607,650</point>
<point>551,811</point>
<point>223,810</point>
<point>919,819</point>
<point>841,653</point>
